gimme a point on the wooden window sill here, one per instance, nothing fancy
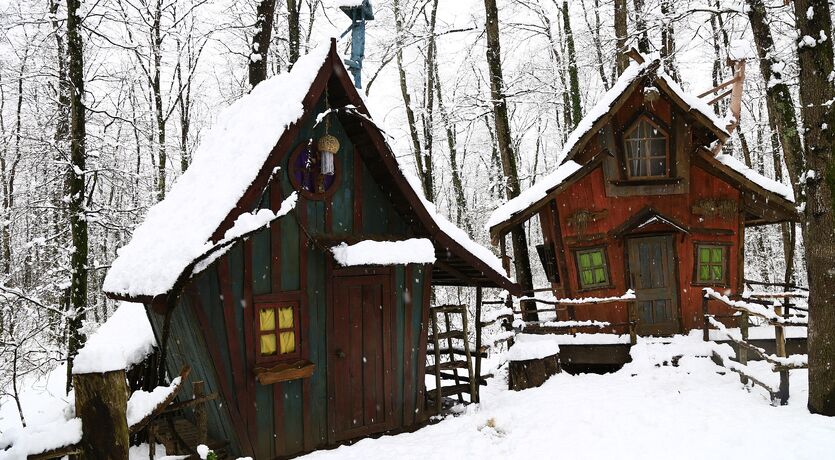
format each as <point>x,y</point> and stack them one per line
<point>284,372</point>
<point>647,181</point>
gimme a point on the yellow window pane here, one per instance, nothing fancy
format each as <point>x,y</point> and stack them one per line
<point>285,317</point>
<point>267,344</point>
<point>288,342</point>
<point>267,322</point>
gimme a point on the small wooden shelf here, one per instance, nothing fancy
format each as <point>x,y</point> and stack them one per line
<point>284,372</point>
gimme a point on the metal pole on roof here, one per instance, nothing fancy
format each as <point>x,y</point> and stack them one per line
<point>359,14</point>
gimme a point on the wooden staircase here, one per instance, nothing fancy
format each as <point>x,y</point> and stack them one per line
<point>448,357</point>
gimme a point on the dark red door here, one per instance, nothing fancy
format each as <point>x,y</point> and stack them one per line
<point>359,356</point>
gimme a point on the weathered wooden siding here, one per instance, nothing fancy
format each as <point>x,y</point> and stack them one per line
<point>290,417</point>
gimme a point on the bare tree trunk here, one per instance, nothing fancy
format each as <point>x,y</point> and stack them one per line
<point>293,32</point>
<point>815,53</point>
<point>265,12</point>
<point>75,179</point>
<point>457,184</point>
<point>641,25</point>
<point>184,103</point>
<point>521,258</point>
<point>668,44</point>
<point>573,78</point>
<point>621,33</point>
<point>417,150</point>
<point>156,87</point>
<point>429,106</point>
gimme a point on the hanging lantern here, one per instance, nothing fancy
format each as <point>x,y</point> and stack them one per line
<point>328,146</point>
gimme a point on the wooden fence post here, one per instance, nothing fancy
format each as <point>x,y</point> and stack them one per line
<point>780,338</point>
<point>478,300</point>
<point>705,321</point>
<point>101,401</point>
<point>632,314</point>
<point>743,352</point>
<point>201,417</point>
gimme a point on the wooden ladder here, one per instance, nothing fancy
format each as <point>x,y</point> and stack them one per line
<point>463,384</point>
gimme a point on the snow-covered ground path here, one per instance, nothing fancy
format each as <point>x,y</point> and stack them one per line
<point>642,411</point>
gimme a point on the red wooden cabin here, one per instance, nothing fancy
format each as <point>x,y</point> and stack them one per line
<point>642,200</point>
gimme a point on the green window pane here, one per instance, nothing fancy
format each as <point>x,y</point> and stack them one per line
<point>599,276</point>
<point>585,261</point>
<point>704,255</point>
<point>704,273</point>
<point>588,278</point>
<point>716,255</point>
<point>717,272</point>
<point>597,258</point>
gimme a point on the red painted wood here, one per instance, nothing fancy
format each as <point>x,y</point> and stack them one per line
<point>239,374</point>
<point>408,375</point>
<point>249,340</point>
<point>588,193</point>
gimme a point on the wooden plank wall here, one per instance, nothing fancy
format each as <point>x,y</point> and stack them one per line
<point>217,324</point>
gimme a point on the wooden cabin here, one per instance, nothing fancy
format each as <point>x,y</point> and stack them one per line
<point>303,351</point>
<point>643,199</point>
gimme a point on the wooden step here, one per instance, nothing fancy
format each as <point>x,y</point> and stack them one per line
<point>447,366</point>
<point>465,378</point>
<point>448,309</point>
<point>450,390</point>
<point>457,350</point>
<point>449,335</point>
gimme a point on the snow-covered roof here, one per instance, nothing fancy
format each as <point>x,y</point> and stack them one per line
<point>771,185</point>
<point>178,229</point>
<point>531,195</point>
<point>125,339</point>
<point>369,252</point>
<point>634,72</point>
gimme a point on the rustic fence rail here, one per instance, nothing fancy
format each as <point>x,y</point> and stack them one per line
<point>775,313</point>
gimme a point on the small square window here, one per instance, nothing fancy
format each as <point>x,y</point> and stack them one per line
<point>277,331</point>
<point>711,264</point>
<point>592,268</point>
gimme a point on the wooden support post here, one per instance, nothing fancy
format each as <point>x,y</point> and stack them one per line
<point>152,441</point>
<point>201,417</point>
<point>743,352</point>
<point>632,312</point>
<point>705,322</point>
<point>478,300</point>
<point>780,338</point>
<point>436,345</point>
<point>101,401</point>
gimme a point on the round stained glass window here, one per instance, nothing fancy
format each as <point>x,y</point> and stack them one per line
<point>306,173</point>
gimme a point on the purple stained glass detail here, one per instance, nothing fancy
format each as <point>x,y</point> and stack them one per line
<point>305,171</point>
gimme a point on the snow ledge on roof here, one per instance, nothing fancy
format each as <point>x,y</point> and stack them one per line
<point>124,340</point>
<point>369,252</point>
<point>768,184</point>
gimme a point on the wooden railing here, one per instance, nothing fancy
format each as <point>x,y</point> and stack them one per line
<point>556,326</point>
<point>775,314</point>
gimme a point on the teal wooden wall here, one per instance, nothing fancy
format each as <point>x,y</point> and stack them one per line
<point>290,417</point>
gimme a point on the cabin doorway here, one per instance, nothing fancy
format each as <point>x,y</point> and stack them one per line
<point>652,271</point>
<point>359,359</point>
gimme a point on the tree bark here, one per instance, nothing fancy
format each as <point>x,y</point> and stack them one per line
<point>417,150</point>
<point>621,59</point>
<point>815,53</point>
<point>573,78</point>
<point>76,187</point>
<point>101,401</point>
<point>429,106</point>
<point>521,258</point>
<point>265,12</point>
<point>668,44</point>
<point>294,31</point>
<point>156,87</point>
<point>641,25</point>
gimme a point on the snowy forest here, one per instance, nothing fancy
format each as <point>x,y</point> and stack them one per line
<point>103,105</point>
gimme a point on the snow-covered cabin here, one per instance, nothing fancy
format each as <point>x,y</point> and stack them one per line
<point>291,267</point>
<point>643,200</point>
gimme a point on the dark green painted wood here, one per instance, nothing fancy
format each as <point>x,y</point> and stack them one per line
<point>208,289</point>
<point>188,348</point>
<point>418,359</point>
<point>293,422</point>
<point>316,295</point>
<point>343,200</point>
<point>236,275</point>
<point>261,256</point>
<point>264,413</point>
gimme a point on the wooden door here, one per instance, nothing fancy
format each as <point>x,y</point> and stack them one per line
<point>652,269</point>
<point>359,360</point>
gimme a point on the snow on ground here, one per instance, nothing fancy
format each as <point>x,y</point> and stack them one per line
<point>642,411</point>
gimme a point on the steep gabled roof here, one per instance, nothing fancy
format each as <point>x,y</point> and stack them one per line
<point>519,209</point>
<point>237,156</point>
<point>631,79</point>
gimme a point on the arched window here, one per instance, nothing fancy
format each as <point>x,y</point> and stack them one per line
<point>647,150</point>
